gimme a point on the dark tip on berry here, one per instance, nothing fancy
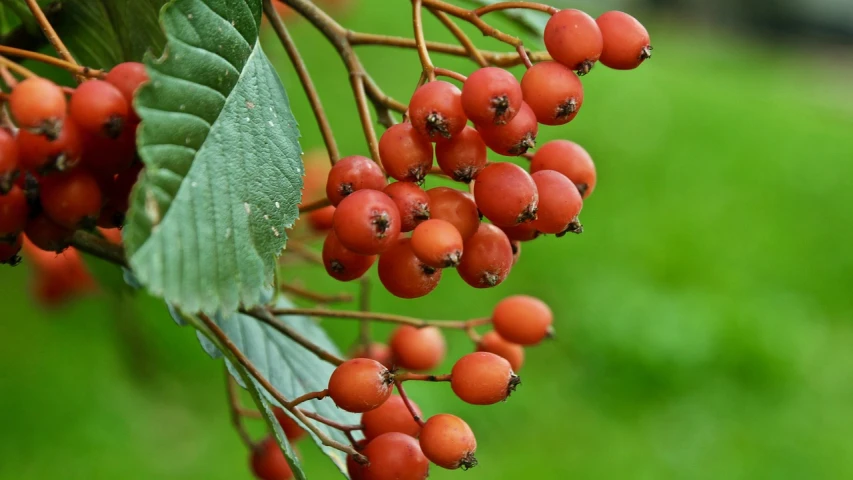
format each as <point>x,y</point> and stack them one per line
<point>381,221</point>
<point>514,382</point>
<point>417,175</point>
<point>490,279</point>
<point>50,128</point>
<point>585,67</point>
<point>14,261</point>
<point>7,180</point>
<point>465,174</point>
<point>345,189</point>
<point>582,188</point>
<point>437,125</point>
<point>550,334</point>
<point>500,104</point>
<point>336,266</point>
<point>62,163</point>
<point>428,270</point>
<point>529,214</point>
<point>646,52</point>
<point>567,108</point>
<point>468,461</point>
<point>453,259</point>
<point>114,126</point>
<point>118,219</point>
<point>421,212</point>
<point>515,245</point>
<point>88,223</point>
<point>387,377</point>
<point>526,143</point>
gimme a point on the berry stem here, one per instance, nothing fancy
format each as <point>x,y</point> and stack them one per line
<point>399,384</point>
<point>7,77</point>
<point>317,205</point>
<point>235,411</point>
<point>423,53</point>
<point>53,37</point>
<point>314,296</point>
<point>17,68</point>
<point>56,62</point>
<point>379,317</point>
<point>471,17</point>
<point>266,317</point>
<point>522,54</point>
<point>358,88</point>
<point>305,78</point>
<point>298,248</point>
<point>330,422</point>
<point>99,247</point>
<point>423,377</point>
<point>463,39</point>
<point>508,5</point>
<point>318,395</point>
<point>364,306</point>
<point>443,72</point>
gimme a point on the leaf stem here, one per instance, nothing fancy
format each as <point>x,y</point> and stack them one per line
<point>399,384</point>
<point>235,409</point>
<point>380,317</point>
<point>315,296</point>
<point>327,421</point>
<point>52,36</point>
<point>267,317</point>
<point>420,41</point>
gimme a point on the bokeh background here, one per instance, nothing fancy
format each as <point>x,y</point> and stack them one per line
<point>704,316</point>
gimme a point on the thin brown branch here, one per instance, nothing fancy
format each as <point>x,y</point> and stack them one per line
<point>523,55</point>
<point>318,395</point>
<point>423,53</point>
<point>364,306</point>
<point>541,7</point>
<point>298,248</point>
<point>315,296</point>
<point>99,247</point>
<point>17,68</point>
<point>235,409</point>
<point>327,421</point>
<point>472,18</point>
<point>422,377</point>
<point>53,61</point>
<point>52,36</point>
<point>265,316</point>
<point>317,205</point>
<point>461,37</point>
<point>357,80</point>
<point>380,317</point>
<point>443,72</point>
<point>399,384</point>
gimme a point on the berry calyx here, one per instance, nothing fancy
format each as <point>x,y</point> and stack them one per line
<point>463,156</point>
<point>488,258</point>
<point>436,110</point>
<point>492,342</point>
<point>437,243</point>
<point>483,378</point>
<point>568,158</point>
<point>351,174</point>
<point>391,416</point>
<point>40,154</point>
<point>9,250</point>
<point>291,429</point>
<point>553,91</point>
<point>342,263</point>
<point>99,108</point>
<point>268,462</point>
<point>559,202</point>
<point>513,138</point>
<point>395,456</point>
<point>360,385</point>
<point>491,95</point>
<point>412,202</point>
<point>403,274</point>
<point>367,222</point>
<point>626,41</point>
<point>453,206</point>
<point>38,106</point>
<point>72,200</point>
<point>506,194</point>
<point>406,154</point>
<point>417,349</point>
<point>573,38</point>
<point>448,442</point>
<point>522,319</point>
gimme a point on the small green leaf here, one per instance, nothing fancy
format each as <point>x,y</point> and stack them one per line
<point>223,174</point>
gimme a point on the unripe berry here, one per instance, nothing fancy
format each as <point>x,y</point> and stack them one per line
<point>456,207</point>
<point>412,202</point>
<point>395,456</point>
<point>360,385</point>
<point>491,95</point>
<point>291,429</point>
<point>128,77</point>
<point>8,160</point>
<point>367,222</point>
<point>351,174</point>
<point>342,263</point>
<point>47,235</point>
<point>437,243</point>
<point>99,108</point>
<point>9,251</point>
<point>522,319</point>
<point>573,39</point>
<point>14,211</point>
<point>392,416</point>
<point>268,462</point>
<point>463,156</point>
<point>436,110</point>
<point>488,258</point>
<point>374,351</point>
<point>626,41</point>
<point>559,201</point>
<point>493,343</point>
<point>418,349</point>
<point>568,158</point>
<point>553,91</point>
<point>515,137</point>
<point>38,105</point>
<point>406,154</point>
<point>506,194</point>
<point>483,378</point>
<point>448,442</point>
<point>403,275</point>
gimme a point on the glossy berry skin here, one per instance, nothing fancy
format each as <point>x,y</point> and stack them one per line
<point>127,77</point>
<point>99,108</point>
<point>367,222</point>
<point>39,105</point>
<point>437,243</point>
<point>492,342</point>
<point>523,232</point>
<point>559,201</point>
<point>375,351</point>
<point>418,349</point>
<point>291,429</point>
<point>456,207</point>
<point>321,219</point>
<point>514,138</point>
<point>573,38</point>
<point>45,234</point>
<point>436,110</point>
<point>351,174</point>
<point>392,416</point>
<point>491,95</point>
<point>9,251</point>
<point>522,319</point>
<point>8,160</point>
<point>553,91</point>
<point>448,442</point>
<point>395,456</point>
<point>488,258</point>
<point>506,194</point>
<point>463,156</point>
<point>412,202</point>
<point>568,158</point>
<point>14,211</point>
<point>72,199</point>
<point>403,275</point>
<point>38,153</point>
<point>483,378</point>
<point>360,385</point>
<point>626,41</point>
<point>268,462</point>
<point>106,155</point>
<point>342,263</point>
<point>406,154</point>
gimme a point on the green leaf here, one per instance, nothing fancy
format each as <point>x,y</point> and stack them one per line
<point>223,174</point>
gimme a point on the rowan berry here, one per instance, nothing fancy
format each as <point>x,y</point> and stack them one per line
<point>403,274</point>
<point>392,416</point>
<point>626,41</point>
<point>491,95</point>
<point>291,429</point>
<point>38,106</point>
<point>568,158</point>
<point>463,156</point>
<point>322,218</point>
<point>412,202</point>
<point>573,39</point>
<point>72,199</point>
<point>488,258</point>
<point>395,456</point>
<point>14,211</point>
<point>268,461</point>
<point>406,154</point>
<point>515,137</point>
<point>483,378</point>
<point>437,243</point>
<point>8,160</point>
<point>522,319</point>
<point>39,153</point>
<point>351,174</point>
<point>559,202</point>
<point>418,349</point>
<point>107,156</point>
<point>355,469</point>
<point>9,251</point>
<point>456,207</point>
<point>128,77</point>
<point>523,232</point>
<point>360,385</point>
<point>506,194</point>
<point>436,110</point>
<point>448,442</point>
<point>492,342</point>
<point>553,91</point>
<point>367,222</point>
<point>374,351</point>
<point>342,263</point>
<point>99,108</point>
<point>47,235</point>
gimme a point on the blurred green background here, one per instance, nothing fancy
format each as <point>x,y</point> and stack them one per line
<point>703,317</point>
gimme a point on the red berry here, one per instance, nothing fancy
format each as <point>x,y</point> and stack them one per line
<point>523,232</point>
<point>553,91</point>
<point>559,201</point>
<point>456,207</point>
<point>568,158</point>
<point>395,456</point>
<point>493,343</point>
<point>355,469</point>
<point>321,219</point>
<point>341,263</point>
<point>412,202</point>
<point>291,429</point>
<point>437,243</point>
<point>463,156</point>
<point>483,378</point>
<point>8,160</point>
<point>367,222</point>
<point>403,275</point>
<point>448,442</point>
<point>488,258</point>
<point>514,138</point>
<point>39,153</point>
<point>118,192</point>
<point>9,251</point>
<point>360,385</point>
<point>72,199</point>
<point>375,351</point>
<point>268,462</point>
<point>128,77</point>
<point>105,155</point>
<point>573,39</point>
<point>406,154</point>
<point>99,108</point>
<point>418,349</point>
<point>491,95</point>
<point>392,416</point>
<point>522,319</point>
<point>351,174</point>
<point>39,106</point>
<point>506,194</point>
<point>436,110</point>
<point>47,235</point>
<point>626,41</point>
<point>14,211</point>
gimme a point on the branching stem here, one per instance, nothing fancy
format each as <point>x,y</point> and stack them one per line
<point>52,36</point>
<point>420,41</point>
<point>48,60</point>
<point>235,411</point>
<point>380,317</point>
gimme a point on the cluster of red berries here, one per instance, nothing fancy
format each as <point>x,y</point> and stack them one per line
<point>70,160</point>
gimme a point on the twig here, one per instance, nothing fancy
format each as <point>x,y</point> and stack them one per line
<point>298,248</point>
<point>380,317</point>
<point>443,72</point>
<point>314,296</point>
<point>472,18</point>
<point>330,422</point>
<point>523,5</point>
<point>522,54</point>
<point>357,80</point>
<point>56,62</point>
<point>461,37</point>
<point>317,205</point>
<point>318,395</point>
<point>19,69</point>
<point>399,384</point>
<point>423,377</point>
<point>99,247</point>
<point>265,316</point>
<point>51,35</point>
<point>234,408</point>
<point>364,306</point>
<point>423,53</point>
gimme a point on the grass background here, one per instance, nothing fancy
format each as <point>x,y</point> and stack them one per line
<point>703,317</point>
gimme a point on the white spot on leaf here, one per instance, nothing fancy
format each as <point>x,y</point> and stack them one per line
<point>247,207</point>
